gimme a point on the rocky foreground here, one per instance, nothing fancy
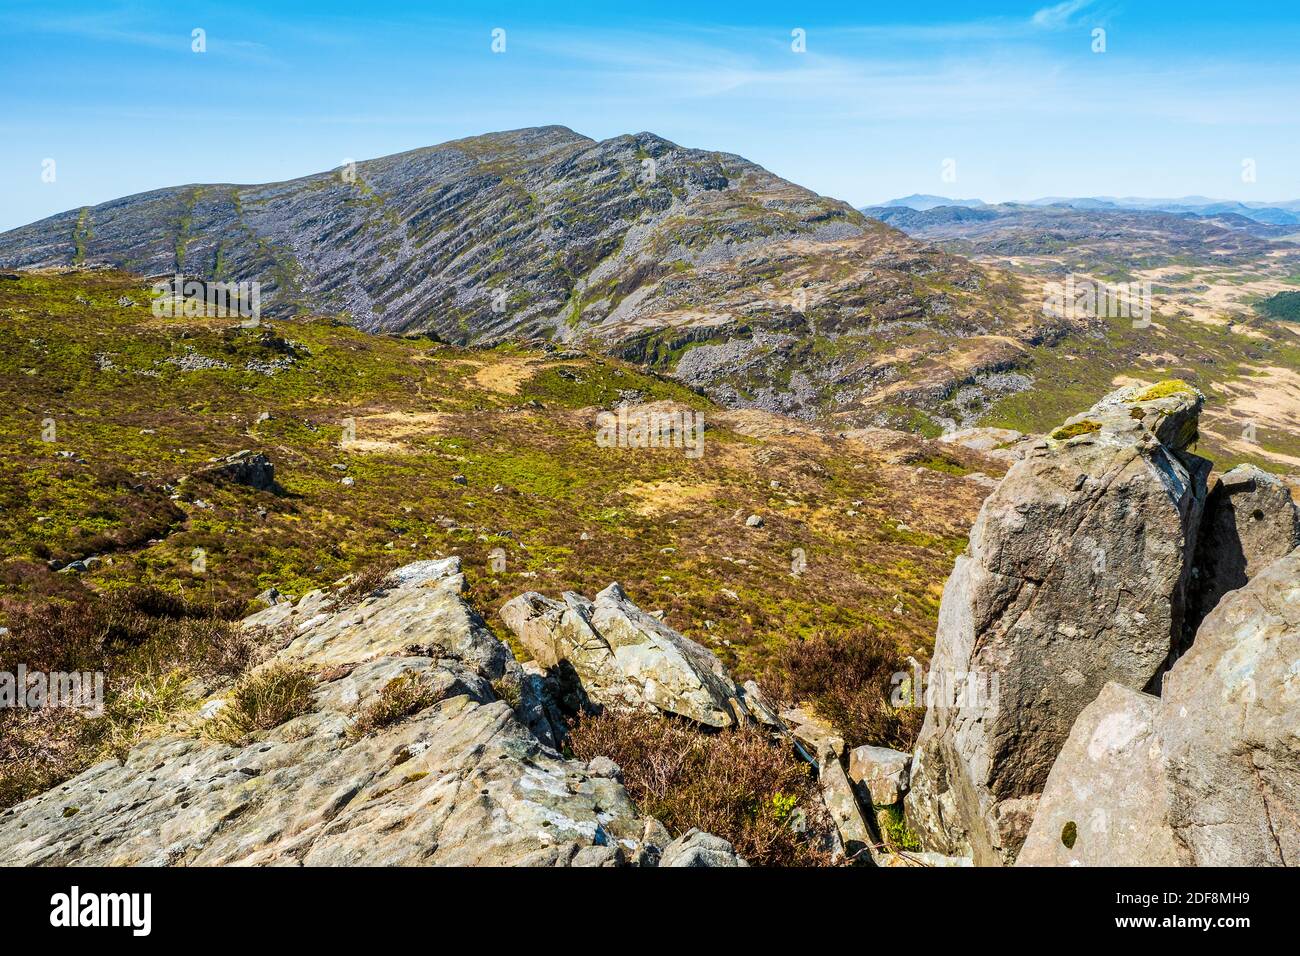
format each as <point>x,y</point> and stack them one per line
<point>1133,633</point>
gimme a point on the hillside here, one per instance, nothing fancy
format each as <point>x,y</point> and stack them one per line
<point>136,409</point>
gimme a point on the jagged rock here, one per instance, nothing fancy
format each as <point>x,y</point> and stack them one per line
<point>461,782</point>
<point>880,772</point>
<point>1169,410</point>
<point>1250,521</point>
<point>1076,574</point>
<point>813,732</point>
<point>249,468</point>
<point>625,657</point>
<point>838,796</point>
<point>1230,722</point>
<point>1106,801</point>
<point>694,848</point>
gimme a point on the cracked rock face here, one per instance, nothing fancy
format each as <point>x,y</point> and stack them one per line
<point>1076,575</point>
<point>460,782</point>
<point>1106,801</point>
<point>1230,720</point>
<point>1207,775</point>
<point>1250,522</point>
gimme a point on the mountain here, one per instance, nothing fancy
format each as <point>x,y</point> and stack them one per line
<point>702,264</point>
<point>924,201</point>
<point>1276,213</point>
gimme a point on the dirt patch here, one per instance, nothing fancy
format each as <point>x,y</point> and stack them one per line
<point>655,498</point>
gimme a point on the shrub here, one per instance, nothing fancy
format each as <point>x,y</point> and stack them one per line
<point>262,700</point>
<point>147,643</point>
<point>847,679</point>
<point>406,694</point>
<point>367,581</point>
<point>737,784</point>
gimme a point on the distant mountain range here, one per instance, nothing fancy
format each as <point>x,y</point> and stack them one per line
<point>1284,213</point>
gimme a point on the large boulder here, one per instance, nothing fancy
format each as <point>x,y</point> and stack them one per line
<point>1250,522</point>
<point>462,781</point>
<point>1208,774</point>
<point>1106,801</point>
<point>1076,575</point>
<point>1230,722</point>
<point>625,657</point>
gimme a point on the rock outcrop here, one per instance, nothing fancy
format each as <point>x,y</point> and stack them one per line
<point>1106,802</point>
<point>1250,522</point>
<point>246,467</point>
<point>1230,723</point>
<point>623,657</point>
<point>1206,775</point>
<point>462,781</point>
<point>1076,575</point>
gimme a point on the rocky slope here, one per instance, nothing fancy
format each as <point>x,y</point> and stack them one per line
<point>755,289</point>
<point>462,780</point>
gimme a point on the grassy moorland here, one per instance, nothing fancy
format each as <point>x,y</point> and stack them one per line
<point>389,449</point>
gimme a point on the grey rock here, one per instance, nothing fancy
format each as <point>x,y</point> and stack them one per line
<point>694,848</point>
<point>253,469</point>
<point>1076,575</point>
<point>1250,521</point>
<point>1230,723</point>
<point>838,796</point>
<point>462,782</point>
<point>1106,800</point>
<point>623,657</point>
<point>881,772</point>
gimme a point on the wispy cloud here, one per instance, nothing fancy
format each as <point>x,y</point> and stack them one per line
<point>1059,16</point>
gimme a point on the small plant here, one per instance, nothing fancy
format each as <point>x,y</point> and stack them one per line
<point>895,831</point>
<point>402,696</point>
<point>507,690</point>
<point>260,701</point>
<point>147,703</point>
<point>738,784</point>
<point>367,581</point>
<point>1085,427</point>
<point>848,680</point>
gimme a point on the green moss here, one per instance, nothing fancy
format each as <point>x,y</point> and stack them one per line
<point>895,831</point>
<point>1172,386</point>
<point>1085,427</point>
<point>1069,834</point>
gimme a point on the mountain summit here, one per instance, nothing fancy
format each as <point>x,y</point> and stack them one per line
<point>756,290</point>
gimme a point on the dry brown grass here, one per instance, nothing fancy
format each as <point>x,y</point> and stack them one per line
<point>847,678</point>
<point>147,643</point>
<point>737,784</point>
<point>406,694</point>
<point>260,701</point>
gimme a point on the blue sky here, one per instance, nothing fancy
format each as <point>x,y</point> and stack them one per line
<point>884,94</point>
